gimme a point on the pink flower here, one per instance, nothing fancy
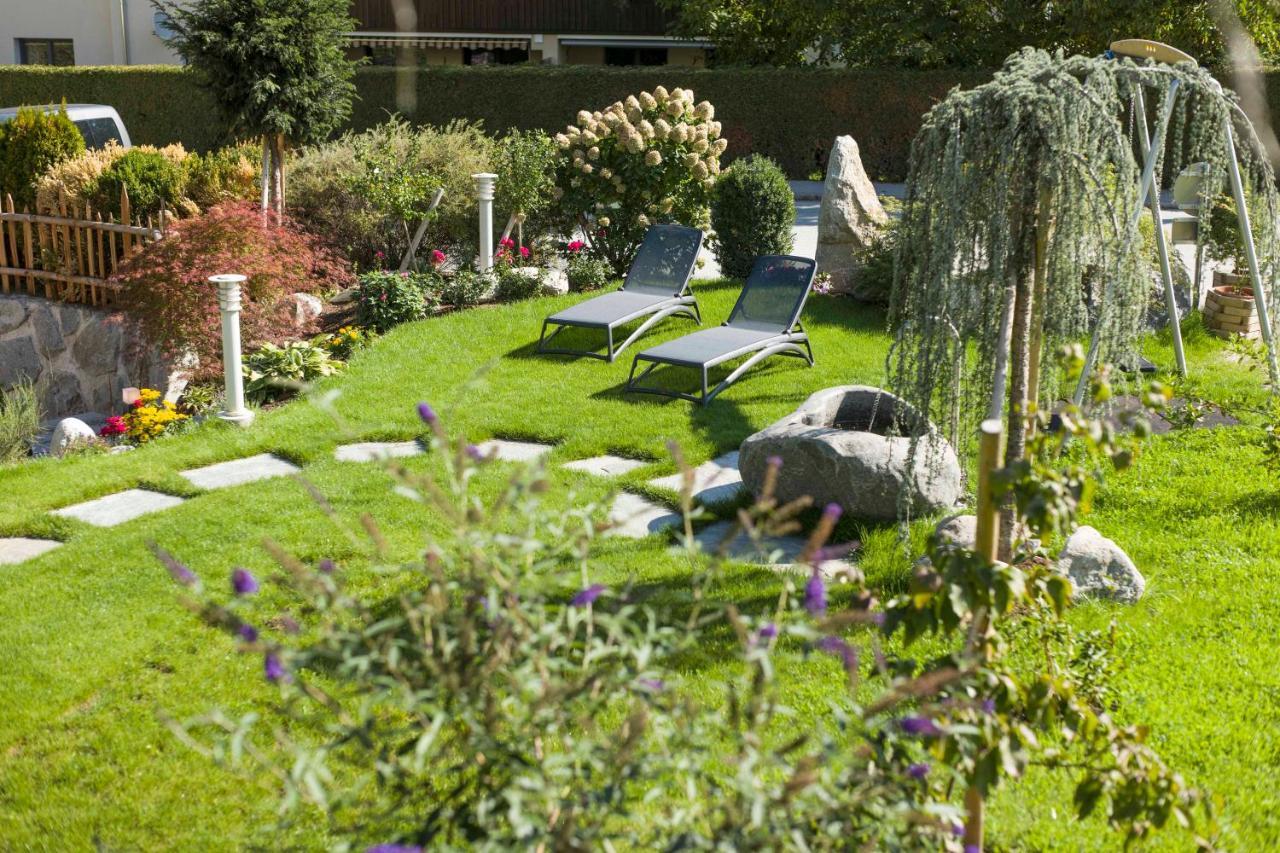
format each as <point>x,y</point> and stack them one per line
<point>437,257</point>
<point>115,426</point>
<point>576,246</point>
<point>506,242</point>
<point>524,251</point>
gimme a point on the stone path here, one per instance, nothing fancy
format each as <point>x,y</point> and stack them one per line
<point>373,451</point>
<point>514,451</point>
<point>250,469</point>
<point>118,508</point>
<point>605,466</point>
<point>18,549</point>
<point>779,552</point>
<point>635,517</point>
<point>713,482</point>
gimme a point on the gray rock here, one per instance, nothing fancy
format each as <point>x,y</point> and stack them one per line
<point>69,432</point>
<point>850,216</point>
<point>70,317</point>
<point>18,361</point>
<point>48,328</point>
<point>97,347</point>
<point>13,313</point>
<point>1098,568</point>
<point>836,448</point>
<point>62,393</point>
<point>963,530</point>
<point>555,282</point>
<point>305,308</point>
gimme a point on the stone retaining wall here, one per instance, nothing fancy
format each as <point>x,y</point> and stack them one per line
<point>84,356</point>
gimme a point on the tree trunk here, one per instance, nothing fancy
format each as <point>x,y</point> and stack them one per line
<point>276,203</point>
<point>266,174</point>
<point>1019,381</point>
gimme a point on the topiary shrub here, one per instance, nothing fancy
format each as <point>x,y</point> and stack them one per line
<point>386,299</point>
<point>650,158</point>
<point>167,296</point>
<point>224,175</point>
<point>753,212</point>
<point>30,143</point>
<point>152,180</point>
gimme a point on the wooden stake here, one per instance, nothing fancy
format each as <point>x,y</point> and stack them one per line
<point>1044,226</point>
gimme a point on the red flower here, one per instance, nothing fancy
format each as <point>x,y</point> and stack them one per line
<point>524,251</point>
<point>437,257</point>
<point>576,246</point>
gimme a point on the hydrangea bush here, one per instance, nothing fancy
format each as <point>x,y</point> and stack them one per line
<point>651,158</point>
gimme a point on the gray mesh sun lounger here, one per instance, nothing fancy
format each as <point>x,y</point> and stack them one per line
<point>764,322</point>
<point>656,287</point>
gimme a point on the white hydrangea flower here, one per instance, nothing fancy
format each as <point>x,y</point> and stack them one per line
<point>631,102</point>
<point>675,108</point>
<point>699,145</point>
<point>700,171</point>
<point>698,131</point>
<point>579,155</point>
<point>584,118</point>
<point>593,153</point>
<point>606,174</point>
<point>713,165</point>
<point>645,128</point>
<point>660,95</point>
<point>713,129</point>
<point>709,184</point>
<point>661,129</point>
<point>587,168</point>
<point>562,141</point>
<point>634,115</point>
<point>603,221</point>
<point>603,131</point>
<point>688,96</point>
<point>557,193</point>
<point>647,101</point>
<point>677,94</point>
<point>680,133</point>
<point>691,160</point>
<point>653,158</point>
<point>668,204</point>
<point>705,111</point>
<point>721,145</point>
<point>589,138</point>
<point>642,221</point>
<point>617,107</point>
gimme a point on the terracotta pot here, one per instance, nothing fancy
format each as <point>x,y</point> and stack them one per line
<point>1229,308</point>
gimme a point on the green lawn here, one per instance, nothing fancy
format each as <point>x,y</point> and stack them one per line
<point>97,651</point>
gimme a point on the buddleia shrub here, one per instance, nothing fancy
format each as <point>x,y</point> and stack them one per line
<point>651,158</point>
<point>753,213</point>
<point>30,143</point>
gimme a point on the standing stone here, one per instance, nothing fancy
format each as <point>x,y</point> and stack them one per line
<point>850,216</point>
<point>305,308</point>
<point>1098,568</point>
<point>69,432</point>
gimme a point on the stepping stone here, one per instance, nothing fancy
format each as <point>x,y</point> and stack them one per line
<point>19,549</point>
<point>514,451</point>
<point>742,550</point>
<point>605,466</point>
<point>238,471</point>
<point>713,482</point>
<point>635,518</point>
<point>372,451</point>
<point>119,508</point>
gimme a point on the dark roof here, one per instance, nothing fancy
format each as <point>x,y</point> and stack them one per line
<point>599,17</point>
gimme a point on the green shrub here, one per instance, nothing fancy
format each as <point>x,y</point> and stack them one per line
<point>753,212</point>
<point>19,420</point>
<point>226,174</point>
<point>152,180</point>
<point>514,284</point>
<point>30,143</point>
<point>463,288</point>
<point>873,280</point>
<point>584,270</point>
<point>272,371</point>
<point>386,299</point>
<point>525,163</point>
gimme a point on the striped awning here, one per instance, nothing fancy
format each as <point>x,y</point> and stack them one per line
<point>473,42</point>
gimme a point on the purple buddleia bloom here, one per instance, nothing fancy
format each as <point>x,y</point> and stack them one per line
<point>836,646</point>
<point>815,594</point>
<point>774,462</point>
<point>973,848</point>
<point>247,632</point>
<point>243,582</point>
<point>274,669</point>
<point>988,706</point>
<point>427,414</point>
<point>588,595</point>
<point>922,726</point>
<point>657,685</point>
<point>393,848</point>
<point>833,511</point>
<point>476,454</point>
<point>327,566</point>
<point>177,570</point>
<point>767,632</point>
<point>918,771</point>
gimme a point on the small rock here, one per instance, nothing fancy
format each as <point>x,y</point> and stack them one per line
<point>1098,568</point>
<point>555,282</point>
<point>305,308</point>
<point>69,432</point>
<point>963,531</point>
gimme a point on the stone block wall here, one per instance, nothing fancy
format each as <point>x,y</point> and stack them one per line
<point>84,357</point>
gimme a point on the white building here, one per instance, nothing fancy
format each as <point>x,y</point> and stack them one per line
<point>82,32</point>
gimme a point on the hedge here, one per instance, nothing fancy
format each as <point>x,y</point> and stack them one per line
<point>790,115</point>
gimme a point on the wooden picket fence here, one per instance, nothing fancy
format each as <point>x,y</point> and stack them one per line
<point>69,254</point>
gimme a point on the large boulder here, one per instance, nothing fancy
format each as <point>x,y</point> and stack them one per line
<point>1098,568</point>
<point>850,216</point>
<point>839,447</point>
<point>68,433</point>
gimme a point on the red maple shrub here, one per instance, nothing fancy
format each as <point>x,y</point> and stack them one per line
<point>169,300</point>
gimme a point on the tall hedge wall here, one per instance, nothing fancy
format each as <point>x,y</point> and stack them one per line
<point>790,115</point>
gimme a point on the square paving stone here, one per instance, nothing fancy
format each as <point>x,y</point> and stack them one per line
<point>635,518</point>
<point>778,552</point>
<point>514,451</point>
<point>119,508</point>
<point>372,451</point>
<point>605,466</point>
<point>19,549</point>
<point>713,482</point>
<point>225,474</point>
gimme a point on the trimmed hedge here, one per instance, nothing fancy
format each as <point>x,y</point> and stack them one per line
<point>789,115</point>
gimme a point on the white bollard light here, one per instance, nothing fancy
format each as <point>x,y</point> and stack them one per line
<point>234,409</point>
<point>484,194</point>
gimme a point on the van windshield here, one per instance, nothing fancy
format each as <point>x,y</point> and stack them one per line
<point>97,132</point>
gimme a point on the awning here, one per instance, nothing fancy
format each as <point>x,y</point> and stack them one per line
<point>474,42</point>
<point>624,41</point>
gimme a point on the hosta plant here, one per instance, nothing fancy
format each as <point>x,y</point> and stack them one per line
<point>274,371</point>
<point>651,158</point>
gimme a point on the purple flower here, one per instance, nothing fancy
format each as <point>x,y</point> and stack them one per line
<point>394,848</point>
<point>288,624</point>
<point>657,685</point>
<point>274,669</point>
<point>973,848</point>
<point>427,414</point>
<point>918,771</point>
<point>988,706</point>
<point>922,726</point>
<point>815,595</point>
<point>767,632</point>
<point>588,595</point>
<point>247,632</point>
<point>833,511</point>
<point>475,453</point>
<point>774,461</point>
<point>243,582</point>
<point>838,647</point>
<point>327,566</point>
<point>177,570</point>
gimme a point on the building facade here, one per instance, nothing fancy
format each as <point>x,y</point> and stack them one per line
<point>426,32</point>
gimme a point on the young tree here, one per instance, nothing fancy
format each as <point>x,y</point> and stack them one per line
<point>276,69</point>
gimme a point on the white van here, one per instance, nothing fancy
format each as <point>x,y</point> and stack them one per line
<point>98,124</point>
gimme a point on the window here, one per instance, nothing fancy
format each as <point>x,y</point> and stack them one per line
<point>46,52</point>
<point>635,56</point>
<point>494,56</point>
<point>97,132</point>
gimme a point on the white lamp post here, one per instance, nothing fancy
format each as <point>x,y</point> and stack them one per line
<point>484,195</point>
<point>234,409</point>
